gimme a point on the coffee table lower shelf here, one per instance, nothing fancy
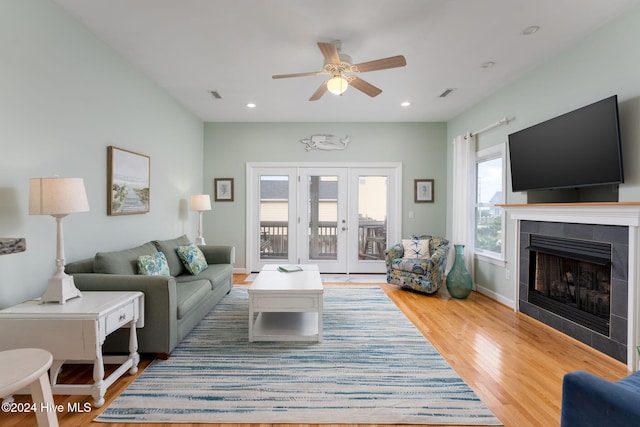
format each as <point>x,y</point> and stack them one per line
<point>286,326</point>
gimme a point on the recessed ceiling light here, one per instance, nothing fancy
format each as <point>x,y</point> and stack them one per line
<point>530,30</point>
<point>405,104</point>
<point>251,105</point>
<point>487,64</point>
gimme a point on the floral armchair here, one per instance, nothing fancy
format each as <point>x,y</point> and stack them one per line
<point>418,264</point>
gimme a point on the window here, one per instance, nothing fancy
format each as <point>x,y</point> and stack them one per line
<point>490,192</point>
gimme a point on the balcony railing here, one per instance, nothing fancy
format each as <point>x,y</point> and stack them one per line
<point>274,240</point>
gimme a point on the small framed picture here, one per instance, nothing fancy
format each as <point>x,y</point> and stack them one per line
<point>128,184</point>
<point>423,190</point>
<point>223,189</point>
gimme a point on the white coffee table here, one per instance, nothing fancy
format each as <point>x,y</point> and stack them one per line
<point>286,306</point>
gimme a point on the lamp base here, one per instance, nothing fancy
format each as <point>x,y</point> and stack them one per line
<point>61,288</point>
<point>200,240</point>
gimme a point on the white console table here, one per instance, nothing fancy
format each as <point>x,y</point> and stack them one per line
<point>74,332</point>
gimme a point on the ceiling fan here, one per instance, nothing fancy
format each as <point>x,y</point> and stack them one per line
<point>339,65</point>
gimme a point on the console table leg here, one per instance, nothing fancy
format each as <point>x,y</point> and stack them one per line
<point>133,349</point>
<point>98,379</point>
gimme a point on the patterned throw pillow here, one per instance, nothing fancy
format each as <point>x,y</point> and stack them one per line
<point>192,258</point>
<point>416,249</point>
<point>153,265</point>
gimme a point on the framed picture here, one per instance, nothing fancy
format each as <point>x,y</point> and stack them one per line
<point>128,183</point>
<point>423,191</point>
<point>223,189</point>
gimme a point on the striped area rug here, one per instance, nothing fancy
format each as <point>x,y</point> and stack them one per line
<point>373,367</point>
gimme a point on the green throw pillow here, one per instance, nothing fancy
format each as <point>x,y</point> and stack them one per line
<point>192,258</point>
<point>153,265</point>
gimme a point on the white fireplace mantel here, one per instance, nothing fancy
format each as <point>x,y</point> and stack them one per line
<point>625,214</point>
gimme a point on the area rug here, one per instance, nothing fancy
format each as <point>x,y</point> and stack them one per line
<point>373,367</point>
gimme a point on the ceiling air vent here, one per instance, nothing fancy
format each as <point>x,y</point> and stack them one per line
<point>446,93</point>
<point>216,94</point>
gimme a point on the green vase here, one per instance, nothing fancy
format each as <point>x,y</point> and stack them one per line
<point>459,282</point>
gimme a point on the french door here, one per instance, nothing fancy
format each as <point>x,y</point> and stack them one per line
<point>339,217</point>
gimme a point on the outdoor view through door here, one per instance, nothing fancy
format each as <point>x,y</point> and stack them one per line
<point>340,218</point>
<point>372,217</point>
<point>274,217</point>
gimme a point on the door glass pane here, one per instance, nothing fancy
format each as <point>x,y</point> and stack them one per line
<point>372,217</point>
<point>274,217</point>
<point>323,217</point>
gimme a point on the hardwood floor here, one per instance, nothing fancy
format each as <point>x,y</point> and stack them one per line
<point>514,363</point>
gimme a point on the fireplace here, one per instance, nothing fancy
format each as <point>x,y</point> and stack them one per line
<point>573,277</point>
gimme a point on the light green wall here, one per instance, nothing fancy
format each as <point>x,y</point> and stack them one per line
<point>64,97</point>
<point>603,64</point>
<point>420,147</point>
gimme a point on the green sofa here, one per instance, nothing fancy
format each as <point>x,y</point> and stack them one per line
<point>173,305</point>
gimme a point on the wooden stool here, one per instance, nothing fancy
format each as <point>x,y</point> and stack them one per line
<point>29,367</point>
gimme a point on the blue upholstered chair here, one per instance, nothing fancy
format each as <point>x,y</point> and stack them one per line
<point>591,401</point>
<point>420,275</point>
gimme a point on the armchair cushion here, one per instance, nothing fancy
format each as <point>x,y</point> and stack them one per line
<point>416,248</point>
<point>410,265</point>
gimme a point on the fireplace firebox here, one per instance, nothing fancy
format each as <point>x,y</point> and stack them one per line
<point>572,278</point>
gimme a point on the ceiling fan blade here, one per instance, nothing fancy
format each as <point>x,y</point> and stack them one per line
<point>380,64</point>
<point>330,52</point>
<point>365,87</point>
<point>286,76</point>
<point>319,92</point>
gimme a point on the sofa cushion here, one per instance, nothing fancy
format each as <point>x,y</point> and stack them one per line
<point>153,265</point>
<point>192,258</point>
<point>631,382</point>
<point>121,262</point>
<point>217,274</point>
<point>190,295</point>
<point>170,249</point>
<point>416,248</point>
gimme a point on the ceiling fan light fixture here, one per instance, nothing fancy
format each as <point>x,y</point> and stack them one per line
<point>337,85</point>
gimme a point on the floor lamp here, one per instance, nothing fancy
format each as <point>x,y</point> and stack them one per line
<point>58,197</point>
<point>200,203</point>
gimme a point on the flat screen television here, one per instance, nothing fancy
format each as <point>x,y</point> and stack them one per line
<point>577,149</point>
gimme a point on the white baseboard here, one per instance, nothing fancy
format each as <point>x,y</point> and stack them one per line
<point>497,297</point>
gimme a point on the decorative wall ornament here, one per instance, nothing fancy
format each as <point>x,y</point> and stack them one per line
<point>12,245</point>
<point>325,142</point>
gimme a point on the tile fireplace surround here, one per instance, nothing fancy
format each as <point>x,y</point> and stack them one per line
<point>623,214</point>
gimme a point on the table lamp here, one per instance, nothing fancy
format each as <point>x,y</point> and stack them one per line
<point>58,197</point>
<point>200,203</point>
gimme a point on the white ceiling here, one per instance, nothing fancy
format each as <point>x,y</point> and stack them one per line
<point>190,47</point>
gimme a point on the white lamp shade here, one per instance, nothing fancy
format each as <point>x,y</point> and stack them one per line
<point>57,196</point>
<point>200,202</point>
<point>337,85</point>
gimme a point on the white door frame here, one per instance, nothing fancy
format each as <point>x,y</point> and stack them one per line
<point>394,223</point>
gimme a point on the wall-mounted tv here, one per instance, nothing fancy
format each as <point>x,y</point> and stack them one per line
<point>577,149</point>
